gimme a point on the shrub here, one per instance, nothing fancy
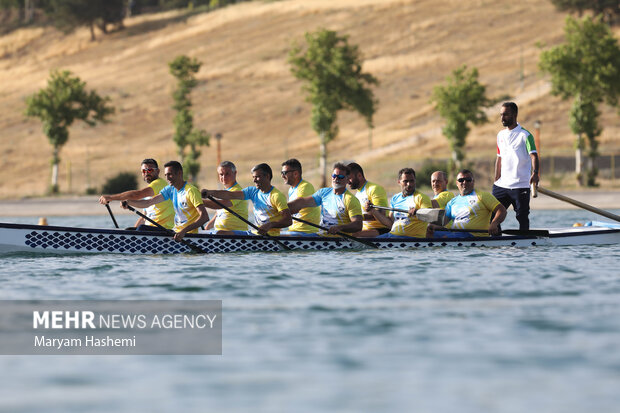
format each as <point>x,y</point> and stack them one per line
<point>423,174</point>
<point>124,181</point>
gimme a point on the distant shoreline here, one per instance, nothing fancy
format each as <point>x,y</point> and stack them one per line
<point>88,205</point>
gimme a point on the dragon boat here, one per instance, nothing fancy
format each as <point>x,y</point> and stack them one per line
<point>57,239</point>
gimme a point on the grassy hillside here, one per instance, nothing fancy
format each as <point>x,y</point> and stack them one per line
<point>247,93</point>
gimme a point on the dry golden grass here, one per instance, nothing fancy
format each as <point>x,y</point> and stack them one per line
<point>247,93</point>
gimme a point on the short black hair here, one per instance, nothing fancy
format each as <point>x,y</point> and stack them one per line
<point>466,172</point>
<point>150,161</point>
<point>293,163</point>
<point>512,106</point>
<point>264,168</point>
<point>408,171</point>
<point>355,167</point>
<point>175,165</point>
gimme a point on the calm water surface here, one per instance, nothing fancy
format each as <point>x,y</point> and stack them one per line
<point>439,330</point>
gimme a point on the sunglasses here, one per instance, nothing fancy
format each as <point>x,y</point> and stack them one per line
<point>148,170</point>
<point>461,180</point>
<point>284,173</point>
<point>334,176</point>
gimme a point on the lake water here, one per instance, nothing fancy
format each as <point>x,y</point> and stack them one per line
<point>434,330</point>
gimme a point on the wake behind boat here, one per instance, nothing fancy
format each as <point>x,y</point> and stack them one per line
<point>56,239</point>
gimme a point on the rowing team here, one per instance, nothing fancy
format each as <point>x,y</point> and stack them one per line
<point>182,207</point>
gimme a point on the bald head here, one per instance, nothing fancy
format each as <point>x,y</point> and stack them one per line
<point>439,182</point>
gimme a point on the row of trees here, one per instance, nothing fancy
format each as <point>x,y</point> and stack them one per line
<point>68,15</point>
<point>607,10</point>
<point>586,69</point>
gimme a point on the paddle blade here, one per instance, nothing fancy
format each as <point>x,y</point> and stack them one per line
<point>431,215</point>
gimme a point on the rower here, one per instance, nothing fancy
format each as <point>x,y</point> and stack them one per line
<point>162,213</point>
<point>291,174</point>
<point>439,183</point>
<point>190,212</point>
<point>340,209</point>
<point>404,224</point>
<point>270,209</point>
<point>472,209</point>
<point>368,191</point>
<point>224,222</point>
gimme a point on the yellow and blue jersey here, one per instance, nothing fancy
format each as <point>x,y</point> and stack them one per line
<point>377,196</point>
<point>225,221</point>
<point>336,209</point>
<point>404,225</point>
<point>162,213</point>
<point>443,198</point>
<point>184,202</point>
<point>310,214</point>
<point>268,206</point>
<point>472,211</point>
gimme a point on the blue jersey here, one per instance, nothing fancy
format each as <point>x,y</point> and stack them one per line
<point>336,209</point>
<point>184,202</point>
<point>268,206</point>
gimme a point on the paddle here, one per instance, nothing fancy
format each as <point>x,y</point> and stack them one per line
<point>342,234</point>
<point>269,237</point>
<point>111,215</point>
<point>193,246</point>
<point>531,232</point>
<point>579,204</point>
<point>432,215</point>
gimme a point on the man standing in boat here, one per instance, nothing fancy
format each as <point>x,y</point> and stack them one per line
<point>270,209</point>
<point>299,188</point>
<point>404,224</point>
<point>162,213</point>
<point>340,209</point>
<point>190,212</point>
<point>224,222</point>
<point>473,210</point>
<point>368,192</point>
<point>516,166</point>
<point>439,183</point>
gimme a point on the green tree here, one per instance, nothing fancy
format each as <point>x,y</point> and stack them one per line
<point>70,14</point>
<point>64,100</point>
<point>609,10</point>
<point>460,101</point>
<point>183,69</point>
<point>585,68</point>
<point>332,71</point>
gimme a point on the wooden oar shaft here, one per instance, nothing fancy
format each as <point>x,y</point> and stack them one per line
<point>194,247</point>
<point>280,243</point>
<point>578,204</point>
<point>342,234</point>
<point>390,209</point>
<point>111,215</point>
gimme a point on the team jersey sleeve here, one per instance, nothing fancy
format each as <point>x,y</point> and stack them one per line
<point>488,200</point>
<point>530,144</point>
<point>449,209</point>
<point>166,193</point>
<point>278,200</point>
<point>377,196</point>
<point>194,197</point>
<point>353,206</point>
<point>318,196</point>
<point>423,201</point>
<point>249,192</point>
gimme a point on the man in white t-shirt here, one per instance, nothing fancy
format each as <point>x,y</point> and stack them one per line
<point>516,167</point>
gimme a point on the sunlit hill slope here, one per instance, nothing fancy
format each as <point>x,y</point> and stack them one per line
<point>248,94</point>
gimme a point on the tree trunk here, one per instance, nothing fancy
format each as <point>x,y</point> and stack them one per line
<point>323,161</point>
<point>28,11</point>
<point>579,161</point>
<point>54,187</point>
